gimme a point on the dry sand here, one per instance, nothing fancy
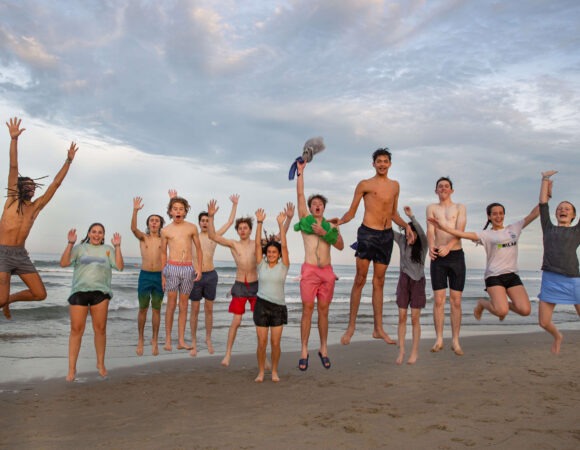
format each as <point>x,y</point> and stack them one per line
<point>507,392</point>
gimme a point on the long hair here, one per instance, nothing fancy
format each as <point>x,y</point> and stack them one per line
<point>87,239</point>
<point>19,194</point>
<point>488,211</point>
<point>416,249</point>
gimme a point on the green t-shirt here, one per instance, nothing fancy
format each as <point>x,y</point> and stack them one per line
<point>92,268</point>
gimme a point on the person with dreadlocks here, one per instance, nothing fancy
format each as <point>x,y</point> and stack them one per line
<point>411,286</point>
<point>19,214</point>
<point>501,271</point>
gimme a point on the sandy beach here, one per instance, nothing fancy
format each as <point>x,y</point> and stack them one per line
<point>507,391</point>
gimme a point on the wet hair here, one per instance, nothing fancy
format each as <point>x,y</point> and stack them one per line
<point>96,224</point>
<point>381,152</point>
<point>444,179</point>
<point>202,214</point>
<point>19,193</point>
<point>320,197</point>
<point>175,200</point>
<point>488,212</point>
<point>161,219</point>
<point>247,220</point>
<point>417,248</point>
<point>573,208</point>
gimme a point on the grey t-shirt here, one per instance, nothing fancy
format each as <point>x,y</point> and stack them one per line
<point>414,270</point>
<point>560,245</point>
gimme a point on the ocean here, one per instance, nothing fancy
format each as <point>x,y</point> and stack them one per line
<point>34,343</point>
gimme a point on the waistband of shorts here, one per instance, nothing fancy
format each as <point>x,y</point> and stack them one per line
<point>245,283</point>
<point>147,272</point>
<point>209,271</point>
<point>314,266</point>
<point>374,230</point>
<point>12,249</point>
<point>180,263</point>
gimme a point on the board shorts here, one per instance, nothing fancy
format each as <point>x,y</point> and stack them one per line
<point>15,260</point>
<point>450,267</point>
<point>316,282</point>
<point>374,245</point>
<point>506,280</point>
<point>411,292</point>
<point>206,287</point>
<point>179,277</point>
<point>243,292</point>
<point>268,314</point>
<point>89,298</point>
<point>559,289</point>
<point>150,290</point>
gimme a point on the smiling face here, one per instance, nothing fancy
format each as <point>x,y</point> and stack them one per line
<point>272,255</point>
<point>382,164</point>
<point>496,217</point>
<point>444,189</point>
<point>96,235</point>
<point>565,214</point>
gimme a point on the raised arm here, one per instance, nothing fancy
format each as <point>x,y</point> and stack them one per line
<point>65,259</point>
<point>260,217</point>
<point>289,212</point>
<point>116,242</point>
<point>452,231</point>
<point>137,206</point>
<point>301,198</point>
<point>546,186</point>
<point>212,209</point>
<point>43,200</point>
<point>281,219</point>
<point>15,132</point>
<point>420,232</point>
<point>533,215</point>
<point>225,227</point>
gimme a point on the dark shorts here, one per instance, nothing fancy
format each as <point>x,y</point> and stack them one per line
<point>374,245</point>
<point>241,294</point>
<point>268,314</point>
<point>507,280</point>
<point>150,290</point>
<point>411,292</point>
<point>15,260</point>
<point>450,267</point>
<point>206,287</point>
<point>90,298</point>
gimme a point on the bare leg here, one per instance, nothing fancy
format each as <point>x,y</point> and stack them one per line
<point>35,292</point>
<point>323,309</point>
<point>497,305</point>
<point>401,331</point>
<point>438,318</point>
<point>362,268</point>
<point>378,288</point>
<point>99,314</point>
<point>208,311</point>
<point>195,305</point>
<point>545,312</point>
<point>416,322</point>
<point>169,313</point>
<point>262,334</point>
<point>520,301</point>
<point>305,326</point>
<point>455,303</point>
<point>141,319</point>
<point>275,338</point>
<point>78,320</point>
<point>182,322</point>
<point>155,325</point>
<point>236,322</point>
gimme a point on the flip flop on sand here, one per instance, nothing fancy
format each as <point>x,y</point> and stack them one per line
<point>324,360</point>
<point>303,363</point>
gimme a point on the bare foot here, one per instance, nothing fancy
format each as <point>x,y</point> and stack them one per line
<point>183,346</point>
<point>557,343</point>
<point>412,359</point>
<point>384,336</point>
<point>193,352</point>
<point>457,350</point>
<point>501,318</point>
<point>275,377</point>
<point>6,311</point>
<point>168,347</point>
<point>154,348</point>
<point>71,376</point>
<point>400,358</point>
<point>102,371</point>
<point>259,378</point>
<point>437,347</point>
<point>477,312</point>
<point>226,361</point>
<point>210,349</point>
<point>139,350</point>
<point>346,337</point>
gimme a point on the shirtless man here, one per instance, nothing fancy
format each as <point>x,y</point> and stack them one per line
<point>178,273</point>
<point>150,289</point>
<point>245,287</point>
<point>317,277</point>
<point>447,262</point>
<point>206,287</point>
<point>374,240</point>
<point>19,214</point>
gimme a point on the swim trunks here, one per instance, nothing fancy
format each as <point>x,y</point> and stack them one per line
<point>243,292</point>
<point>374,245</point>
<point>268,314</point>
<point>316,282</point>
<point>179,277</point>
<point>15,260</point>
<point>206,287</point>
<point>90,298</point>
<point>507,280</point>
<point>411,292</point>
<point>150,290</point>
<point>560,289</point>
<point>450,267</point>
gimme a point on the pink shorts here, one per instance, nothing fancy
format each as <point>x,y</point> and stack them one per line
<point>317,282</point>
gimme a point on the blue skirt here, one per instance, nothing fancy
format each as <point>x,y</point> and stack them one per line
<point>560,289</point>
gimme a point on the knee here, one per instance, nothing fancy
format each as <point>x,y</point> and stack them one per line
<point>378,280</point>
<point>39,294</point>
<point>502,310</point>
<point>100,329</point>
<point>525,311</point>
<point>77,330</point>
<point>360,279</point>
<point>402,318</point>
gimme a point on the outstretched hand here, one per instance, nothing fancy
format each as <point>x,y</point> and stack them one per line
<point>72,151</point>
<point>434,221</point>
<point>260,215</point>
<point>289,210</point>
<point>281,218</point>
<point>234,198</point>
<point>14,127</point>
<point>72,235</point>
<point>137,203</point>
<point>549,173</point>
<point>116,240</point>
<point>172,193</point>
<point>212,207</point>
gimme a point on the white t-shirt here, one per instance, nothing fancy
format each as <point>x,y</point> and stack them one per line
<point>501,249</point>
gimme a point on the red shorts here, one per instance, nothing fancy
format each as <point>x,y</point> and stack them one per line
<point>316,282</point>
<point>238,304</point>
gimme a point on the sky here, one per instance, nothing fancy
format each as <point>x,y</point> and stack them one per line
<point>214,98</point>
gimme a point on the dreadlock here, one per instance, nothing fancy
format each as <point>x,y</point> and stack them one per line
<point>19,194</point>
